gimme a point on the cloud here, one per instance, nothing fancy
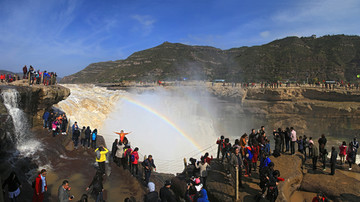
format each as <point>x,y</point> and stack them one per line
<point>264,34</point>
<point>146,22</point>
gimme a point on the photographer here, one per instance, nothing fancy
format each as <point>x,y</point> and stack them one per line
<point>64,192</point>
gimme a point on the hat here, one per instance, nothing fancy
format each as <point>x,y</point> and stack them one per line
<point>151,186</point>
<point>197,181</point>
<point>198,187</point>
<point>167,182</point>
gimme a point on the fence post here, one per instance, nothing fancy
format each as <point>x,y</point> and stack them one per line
<point>236,183</point>
<point>218,152</point>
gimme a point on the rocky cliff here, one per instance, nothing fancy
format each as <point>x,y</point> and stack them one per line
<point>33,100</point>
<point>311,111</point>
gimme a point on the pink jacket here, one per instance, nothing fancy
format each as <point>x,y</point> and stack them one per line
<point>293,136</point>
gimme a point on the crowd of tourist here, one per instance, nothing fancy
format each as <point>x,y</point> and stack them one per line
<point>33,76</point>
<point>250,153</point>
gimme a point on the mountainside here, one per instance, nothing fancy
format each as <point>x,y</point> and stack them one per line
<point>328,57</point>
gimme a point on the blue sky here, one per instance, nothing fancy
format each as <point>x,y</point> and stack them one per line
<point>66,35</point>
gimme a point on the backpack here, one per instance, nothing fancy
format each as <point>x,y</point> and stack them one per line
<point>98,155</point>
<point>132,158</point>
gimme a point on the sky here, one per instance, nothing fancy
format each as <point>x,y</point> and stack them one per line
<point>65,36</point>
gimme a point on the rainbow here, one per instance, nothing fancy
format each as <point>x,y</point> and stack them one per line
<point>164,118</point>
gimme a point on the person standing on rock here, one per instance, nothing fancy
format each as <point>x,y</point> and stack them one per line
<point>75,127</point>
<point>46,118</point>
<point>287,139</point>
<point>97,187</point>
<point>282,140</point>
<point>333,160</point>
<point>24,72</point>
<point>114,148</point>
<point>87,136</point>
<point>203,166</point>
<point>322,142</point>
<point>40,187</point>
<point>152,196</point>
<point>101,161</point>
<point>355,144</point>
<point>14,185</point>
<point>236,161</point>
<point>165,193</point>
<point>93,138</point>
<point>148,165</point>
<point>221,146</point>
<point>293,140</point>
<point>315,155</point>
<point>342,152</point>
<point>350,155</point>
<point>64,192</point>
<point>134,158</point>
<point>252,137</point>
<point>82,136</point>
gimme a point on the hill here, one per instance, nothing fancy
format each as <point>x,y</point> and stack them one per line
<point>329,57</point>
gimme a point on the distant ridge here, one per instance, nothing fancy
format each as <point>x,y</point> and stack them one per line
<point>335,57</point>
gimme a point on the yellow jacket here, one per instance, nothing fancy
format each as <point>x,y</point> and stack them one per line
<point>102,155</point>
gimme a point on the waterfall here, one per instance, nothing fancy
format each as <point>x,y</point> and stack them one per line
<point>22,137</point>
<point>170,124</point>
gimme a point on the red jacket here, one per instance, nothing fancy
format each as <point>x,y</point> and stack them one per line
<point>255,151</point>
<point>38,183</point>
<point>136,155</point>
<point>342,150</point>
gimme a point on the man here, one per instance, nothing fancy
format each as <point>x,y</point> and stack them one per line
<point>293,140</point>
<point>252,137</point>
<point>152,196</point>
<point>64,192</point>
<point>333,160</point>
<point>282,140</point>
<point>148,164</point>
<point>287,139</point>
<point>355,144</point>
<point>221,145</point>
<point>25,72</point>
<point>46,118</point>
<point>40,187</point>
<point>277,139</point>
<point>165,193</point>
<point>236,161</point>
<point>101,161</point>
<point>315,155</point>
<point>87,136</point>
<point>265,176</point>
<point>75,128</point>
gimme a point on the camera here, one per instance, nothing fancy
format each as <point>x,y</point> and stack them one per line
<point>72,196</point>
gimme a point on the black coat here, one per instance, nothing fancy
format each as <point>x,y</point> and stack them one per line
<point>166,195</point>
<point>333,157</point>
<point>152,197</point>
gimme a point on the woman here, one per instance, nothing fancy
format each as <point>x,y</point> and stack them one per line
<point>243,143</point>
<point>203,170</point>
<point>119,154</point>
<point>13,186</point>
<point>342,153</point>
<point>97,187</point>
<point>134,161</point>
<point>255,150</point>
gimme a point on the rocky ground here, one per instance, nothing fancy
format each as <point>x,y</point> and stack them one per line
<point>301,182</point>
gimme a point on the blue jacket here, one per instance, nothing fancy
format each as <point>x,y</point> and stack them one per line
<point>265,162</point>
<point>46,115</point>
<point>203,196</point>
